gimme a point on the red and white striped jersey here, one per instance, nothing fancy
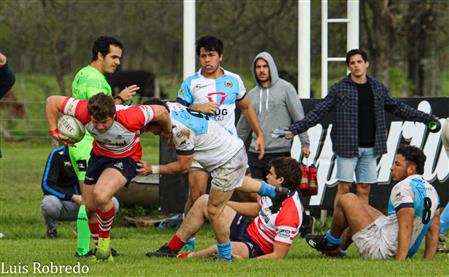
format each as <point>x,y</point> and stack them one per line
<point>123,138</point>
<point>281,227</point>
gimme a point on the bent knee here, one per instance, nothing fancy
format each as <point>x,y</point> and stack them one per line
<point>344,187</point>
<point>202,200</point>
<point>195,195</point>
<point>348,198</point>
<point>212,211</point>
<point>101,198</point>
<point>363,187</point>
<point>51,206</point>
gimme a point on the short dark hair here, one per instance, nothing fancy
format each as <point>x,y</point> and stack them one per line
<point>413,154</point>
<point>289,169</point>
<point>354,52</point>
<point>101,106</point>
<point>209,43</point>
<point>102,45</point>
<point>156,101</point>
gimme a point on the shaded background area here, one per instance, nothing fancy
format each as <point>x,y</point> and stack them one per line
<point>407,40</point>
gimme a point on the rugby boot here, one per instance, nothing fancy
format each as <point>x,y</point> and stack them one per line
<point>183,255</point>
<point>319,242</point>
<point>442,246</point>
<point>52,234</point>
<point>88,254</point>
<point>281,195</point>
<point>114,253</point>
<point>163,251</point>
<point>308,225</point>
<point>103,251</point>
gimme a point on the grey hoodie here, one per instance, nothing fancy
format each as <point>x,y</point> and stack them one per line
<point>276,107</point>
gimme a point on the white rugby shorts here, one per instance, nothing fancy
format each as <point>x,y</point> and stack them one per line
<point>378,241</point>
<point>230,175</point>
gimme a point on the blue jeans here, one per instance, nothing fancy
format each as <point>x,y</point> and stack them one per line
<point>364,166</point>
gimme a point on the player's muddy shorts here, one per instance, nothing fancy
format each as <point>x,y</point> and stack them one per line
<point>97,164</point>
<point>239,233</point>
<point>377,240</point>
<point>197,166</point>
<point>230,175</point>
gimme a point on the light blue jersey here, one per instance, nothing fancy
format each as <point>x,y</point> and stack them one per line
<point>414,192</point>
<point>194,134</point>
<point>225,90</point>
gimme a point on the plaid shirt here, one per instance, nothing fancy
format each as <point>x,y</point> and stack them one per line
<point>342,99</point>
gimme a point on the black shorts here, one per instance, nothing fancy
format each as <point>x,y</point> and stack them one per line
<point>239,233</point>
<point>259,168</point>
<point>97,164</point>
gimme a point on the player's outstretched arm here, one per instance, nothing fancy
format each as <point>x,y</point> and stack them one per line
<point>182,165</point>
<point>405,221</point>
<point>432,236</point>
<point>279,252</point>
<point>250,209</point>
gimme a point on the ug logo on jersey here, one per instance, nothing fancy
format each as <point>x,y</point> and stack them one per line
<point>219,97</point>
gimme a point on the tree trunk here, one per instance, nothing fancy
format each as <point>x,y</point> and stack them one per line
<point>422,58</point>
<point>379,25</point>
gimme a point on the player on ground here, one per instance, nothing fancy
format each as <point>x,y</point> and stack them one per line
<point>271,233</point>
<point>219,152</point>
<point>116,149</point>
<point>89,81</point>
<point>215,91</point>
<point>413,214</point>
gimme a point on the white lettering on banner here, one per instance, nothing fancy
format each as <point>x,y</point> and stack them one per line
<point>436,167</point>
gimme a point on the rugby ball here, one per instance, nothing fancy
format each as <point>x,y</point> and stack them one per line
<point>71,127</point>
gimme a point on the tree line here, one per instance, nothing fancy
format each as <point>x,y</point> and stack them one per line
<point>402,38</point>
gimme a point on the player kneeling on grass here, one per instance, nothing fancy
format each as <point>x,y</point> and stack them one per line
<point>413,214</point>
<point>62,194</point>
<point>218,151</point>
<point>116,149</point>
<point>271,233</point>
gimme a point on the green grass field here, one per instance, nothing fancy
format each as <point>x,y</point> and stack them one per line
<point>25,243</point>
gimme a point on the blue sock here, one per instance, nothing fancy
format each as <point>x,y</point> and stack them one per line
<point>331,239</point>
<point>225,250</point>
<point>444,220</point>
<point>267,190</point>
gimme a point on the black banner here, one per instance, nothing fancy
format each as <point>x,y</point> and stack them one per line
<point>173,189</point>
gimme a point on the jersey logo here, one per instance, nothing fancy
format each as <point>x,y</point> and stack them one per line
<point>220,96</point>
<point>181,91</point>
<point>228,84</point>
<point>198,86</point>
<point>82,165</point>
<point>119,165</point>
<point>285,234</point>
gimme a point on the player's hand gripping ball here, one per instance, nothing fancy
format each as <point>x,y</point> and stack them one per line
<point>71,127</point>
